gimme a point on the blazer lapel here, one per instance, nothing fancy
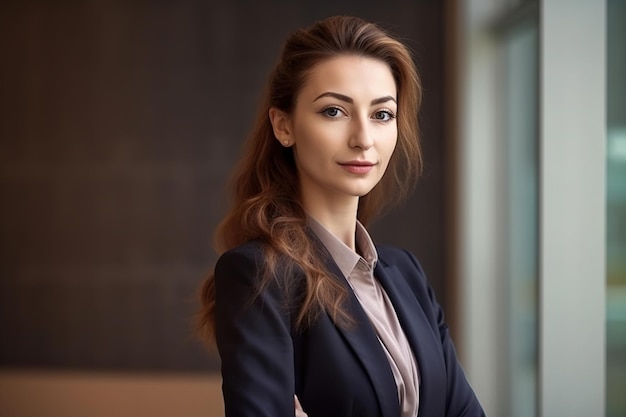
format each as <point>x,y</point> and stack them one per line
<point>426,343</point>
<point>365,344</point>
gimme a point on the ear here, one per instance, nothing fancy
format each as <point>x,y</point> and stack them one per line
<point>281,124</point>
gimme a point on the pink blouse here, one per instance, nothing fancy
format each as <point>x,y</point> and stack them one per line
<point>358,269</point>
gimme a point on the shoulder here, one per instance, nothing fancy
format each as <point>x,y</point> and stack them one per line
<point>242,261</point>
<point>400,258</point>
<point>250,252</point>
<point>408,266</point>
<point>254,265</point>
<point>252,249</point>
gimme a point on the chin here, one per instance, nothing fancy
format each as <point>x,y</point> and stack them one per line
<point>357,190</point>
<point>361,192</point>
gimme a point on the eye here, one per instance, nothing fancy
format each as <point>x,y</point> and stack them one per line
<point>332,112</point>
<point>384,115</point>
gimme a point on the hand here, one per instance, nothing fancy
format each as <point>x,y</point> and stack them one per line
<point>299,411</point>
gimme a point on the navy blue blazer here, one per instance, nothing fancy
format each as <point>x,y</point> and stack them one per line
<point>335,372</point>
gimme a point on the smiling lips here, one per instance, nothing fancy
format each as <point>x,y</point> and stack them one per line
<point>357,167</point>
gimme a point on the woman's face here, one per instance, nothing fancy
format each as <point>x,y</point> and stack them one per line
<point>343,129</point>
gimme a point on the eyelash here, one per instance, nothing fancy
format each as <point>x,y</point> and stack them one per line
<point>391,115</point>
<point>324,111</point>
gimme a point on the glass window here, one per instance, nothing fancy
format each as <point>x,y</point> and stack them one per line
<point>616,209</point>
<point>520,47</point>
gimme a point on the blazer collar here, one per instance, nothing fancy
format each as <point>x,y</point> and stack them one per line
<point>362,339</point>
<point>425,342</point>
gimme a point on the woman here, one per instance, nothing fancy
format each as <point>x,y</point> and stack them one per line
<point>306,312</point>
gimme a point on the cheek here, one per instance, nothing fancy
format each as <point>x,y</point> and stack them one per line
<point>316,141</point>
<point>305,132</point>
<point>390,146</point>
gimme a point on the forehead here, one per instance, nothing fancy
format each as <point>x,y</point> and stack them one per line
<point>356,76</point>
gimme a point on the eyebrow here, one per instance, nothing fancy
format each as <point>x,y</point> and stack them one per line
<point>350,100</point>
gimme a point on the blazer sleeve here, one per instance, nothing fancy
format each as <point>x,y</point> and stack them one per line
<point>253,339</point>
<point>460,398</point>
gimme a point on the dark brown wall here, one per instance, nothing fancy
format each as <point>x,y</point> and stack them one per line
<point>120,122</point>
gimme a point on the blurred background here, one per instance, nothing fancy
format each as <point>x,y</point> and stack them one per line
<point>120,123</point>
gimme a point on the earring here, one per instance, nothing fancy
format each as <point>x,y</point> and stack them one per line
<point>286,142</point>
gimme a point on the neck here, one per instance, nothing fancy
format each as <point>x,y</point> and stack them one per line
<point>339,219</point>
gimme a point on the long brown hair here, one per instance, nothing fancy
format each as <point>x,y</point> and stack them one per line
<point>266,204</point>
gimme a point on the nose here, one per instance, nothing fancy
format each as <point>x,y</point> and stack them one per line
<point>361,134</point>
